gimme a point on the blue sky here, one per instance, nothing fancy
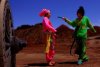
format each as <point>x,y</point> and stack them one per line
<point>27,11</point>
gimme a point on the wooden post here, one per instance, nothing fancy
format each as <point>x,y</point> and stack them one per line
<point>5,33</point>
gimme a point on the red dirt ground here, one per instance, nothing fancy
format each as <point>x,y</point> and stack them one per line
<point>34,56</point>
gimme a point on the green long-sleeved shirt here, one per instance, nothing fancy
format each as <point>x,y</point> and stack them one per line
<point>84,24</point>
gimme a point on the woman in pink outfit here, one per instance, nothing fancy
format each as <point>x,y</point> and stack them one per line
<point>49,32</point>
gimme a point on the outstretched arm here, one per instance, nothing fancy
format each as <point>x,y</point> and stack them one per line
<point>68,21</point>
<point>65,19</point>
<point>72,23</point>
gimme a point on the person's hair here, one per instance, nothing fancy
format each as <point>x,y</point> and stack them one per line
<point>81,10</point>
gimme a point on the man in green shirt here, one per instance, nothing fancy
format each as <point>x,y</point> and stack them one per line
<point>81,23</point>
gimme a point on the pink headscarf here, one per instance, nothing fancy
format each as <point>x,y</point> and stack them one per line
<point>44,11</point>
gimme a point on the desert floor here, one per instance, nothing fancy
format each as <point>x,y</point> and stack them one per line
<point>34,56</point>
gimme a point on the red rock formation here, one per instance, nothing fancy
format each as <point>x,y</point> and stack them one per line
<point>34,35</point>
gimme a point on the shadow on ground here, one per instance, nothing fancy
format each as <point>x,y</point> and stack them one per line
<point>75,62</point>
<point>38,64</point>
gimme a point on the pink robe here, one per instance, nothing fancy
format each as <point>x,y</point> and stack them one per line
<point>47,27</point>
